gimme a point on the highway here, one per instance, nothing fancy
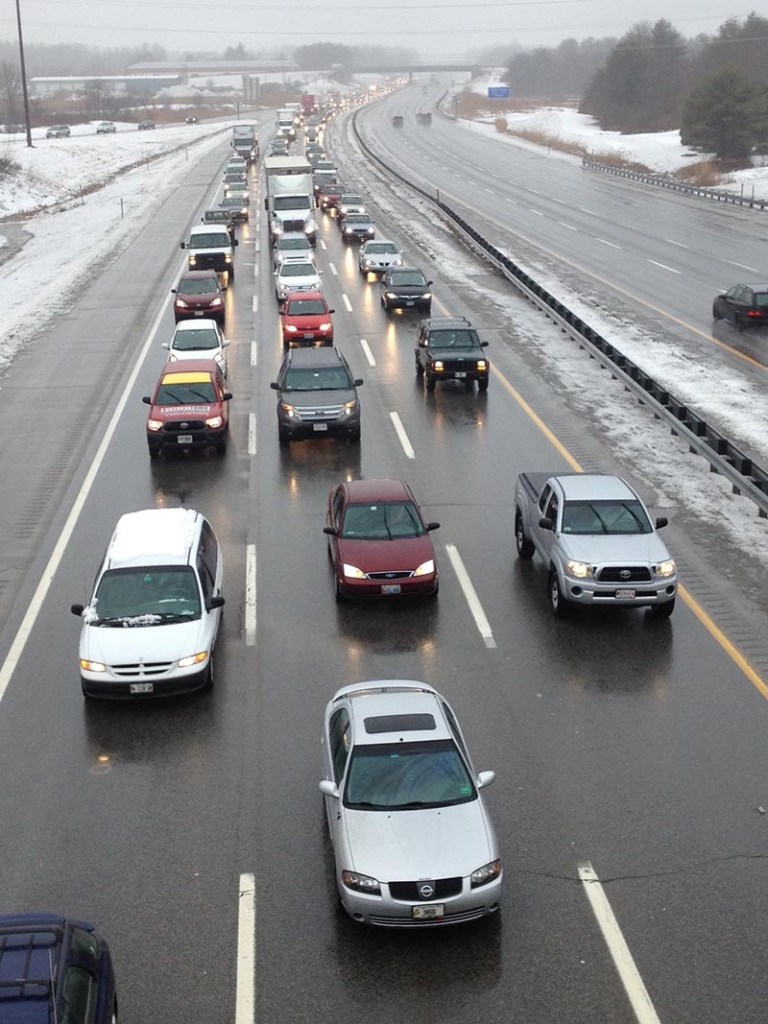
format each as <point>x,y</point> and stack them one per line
<point>630,754</point>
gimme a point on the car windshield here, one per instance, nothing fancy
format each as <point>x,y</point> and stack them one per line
<point>590,517</point>
<point>306,307</point>
<point>327,379</point>
<point>407,776</point>
<point>292,203</point>
<point>221,216</point>
<point>385,521</point>
<point>232,202</point>
<point>293,244</point>
<point>380,247</point>
<point>197,286</point>
<point>197,338</point>
<point>453,339</point>
<point>178,393</point>
<point>357,218</point>
<point>145,597</point>
<point>298,270</point>
<point>208,240</point>
<point>351,200</point>
<point>408,277</point>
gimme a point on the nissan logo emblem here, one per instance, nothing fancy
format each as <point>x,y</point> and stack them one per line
<point>426,890</point>
<point>625,574</point>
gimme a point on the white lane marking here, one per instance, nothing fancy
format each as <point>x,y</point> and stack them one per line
<point>583,209</point>
<point>254,353</point>
<point>606,242</point>
<point>33,610</point>
<point>256,245</point>
<point>489,191</point>
<point>570,227</point>
<point>255,304</point>
<point>742,266</point>
<point>367,350</point>
<point>617,947</point>
<point>512,201</point>
<point>322,244</point>
<point>400,431</point>
<point>680,245</point>
<point>245,983</point>
<point>333,269</point>
<point>347,303</point>
<point>470,594</point>
<point>250,595</point>
<point>251,433</point>
<point>537,212</point>
<point>664,266</point>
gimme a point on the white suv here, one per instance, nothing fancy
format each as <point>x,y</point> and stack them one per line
<point>151,625</point>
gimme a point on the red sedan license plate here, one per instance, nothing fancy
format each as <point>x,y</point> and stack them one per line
<point>626,595</point>
<point>142,688</point>
<point>390,588</point>
<point>428,912</point>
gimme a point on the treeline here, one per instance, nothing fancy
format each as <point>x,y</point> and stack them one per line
<point>59,59</point>
<point>714,89</point>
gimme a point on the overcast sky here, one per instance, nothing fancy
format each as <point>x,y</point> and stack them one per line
<point>436,29</point>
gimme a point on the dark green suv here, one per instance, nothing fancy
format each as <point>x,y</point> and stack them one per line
<point>449,348</point>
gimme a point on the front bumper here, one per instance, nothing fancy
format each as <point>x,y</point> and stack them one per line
<point>632,594</point>
<point>385,911</point>
<point>411,586</point>
<point>183,440</point>
<point>125,686</point>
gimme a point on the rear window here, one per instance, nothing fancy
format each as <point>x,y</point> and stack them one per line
<point>761,300</point>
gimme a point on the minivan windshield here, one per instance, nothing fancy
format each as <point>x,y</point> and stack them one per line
<point>146,596</point>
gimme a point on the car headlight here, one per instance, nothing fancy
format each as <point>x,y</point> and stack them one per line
<point>438,366</point>
<point>192,259</point>
<point>193,659</point>
<point>289,410</point>
<point>425,569</point>
<point>154,425</point>
<point>216,302</point>
<point>352,572</point>
<point>219,358</point>
<point>427,295</point>
<point>361,883</point>
<point>290,329</point>
<point>581,570</point>
<point>666,569</point>
<point>325,327</point>
<point>390,295</point>
<point>181,303</point>
<point>214,422</point>
<point>396,263</point>
<point>485,874</point>
<point>92,666</point>
<point>349,407</point>
<point>482,365</point>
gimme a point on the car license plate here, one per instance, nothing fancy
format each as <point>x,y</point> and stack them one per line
<point>199,312</point>
<point>409,302</point>
<point>626,595</point>
<point>390,588</point>
<point>319,426</point>
<point>142,688</point>
<point>309,336</point>
<point>184,439</point>
<point>460,374</point>
<point>428,912</point>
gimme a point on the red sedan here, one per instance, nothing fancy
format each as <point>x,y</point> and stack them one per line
<point>306,319</point>
<point>379,542</point>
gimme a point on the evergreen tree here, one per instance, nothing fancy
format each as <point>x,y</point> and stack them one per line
<point>725,115</point>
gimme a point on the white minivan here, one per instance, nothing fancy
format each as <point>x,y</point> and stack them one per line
<point>150,627</point>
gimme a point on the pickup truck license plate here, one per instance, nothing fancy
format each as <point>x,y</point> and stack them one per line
<point>428,912</point>
<point>184,439</point>
<point>319,426</point>
<point>460,374</point>
<point>391,588</point>
<point>142,688</point>
<point>626,595</point>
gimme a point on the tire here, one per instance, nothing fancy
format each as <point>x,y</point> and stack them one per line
<point>419,369</point>
<point>154,453</point>
<point>221,448</point>
<point>114,1011</point>
<point>663,611</point>
<point>524,545</point>
<point>716,313</point>
<point>283,439</point>
<point>231,274</point>
<point>355,438</point>
<point>482,385</point>
<point>339,596</point>
<point>210,676</point>
<point>560,605</point>
<point>429,382</point>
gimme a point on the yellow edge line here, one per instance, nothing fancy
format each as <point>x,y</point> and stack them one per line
<point>708,623</point>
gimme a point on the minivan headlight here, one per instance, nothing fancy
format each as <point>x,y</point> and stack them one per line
<point>92,666</point>
<point>193,659</point>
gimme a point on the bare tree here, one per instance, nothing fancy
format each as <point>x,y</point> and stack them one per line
<point>10,90</point>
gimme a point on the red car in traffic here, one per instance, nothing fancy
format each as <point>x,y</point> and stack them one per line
<point>379,542</point>
<point>189,408</point>
<point>306,319</point>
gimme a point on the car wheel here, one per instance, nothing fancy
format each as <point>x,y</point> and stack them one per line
<point>716,313</point>
<point>209,675</point>
<point>154,453</point>
<point>663,611</point>
<point>283,439</point>
<point>429,382</point>
<point>339,594</point>
<point>231,274</point>
<point>524,545</point>
<point>221,448</point>
<point>114,1011</point>
<point>482,385</point>
<point>419,369</point>
<point>560,605</point>
<point>355,438</point>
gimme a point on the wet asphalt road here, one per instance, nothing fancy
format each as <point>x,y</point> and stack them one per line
<point>635,746</point>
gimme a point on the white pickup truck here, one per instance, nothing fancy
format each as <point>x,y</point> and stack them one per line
<point>597,540</point>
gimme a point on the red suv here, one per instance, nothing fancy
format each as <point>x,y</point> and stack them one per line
<point>330,197</point>
<point>305,317</point>
<point>189,409</point>
<point>199,294</point>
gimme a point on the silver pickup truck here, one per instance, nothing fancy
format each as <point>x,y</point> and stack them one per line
<point>597,540</point>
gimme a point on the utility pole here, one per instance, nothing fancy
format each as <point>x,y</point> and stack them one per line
<point>27,124</point>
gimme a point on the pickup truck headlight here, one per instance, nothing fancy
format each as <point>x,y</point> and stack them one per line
<point>579,570</point>
<point>482,366</point>
<point>192,259</point>
<point>154,425</point>
<point>214,422</point>
<point>666,569</point>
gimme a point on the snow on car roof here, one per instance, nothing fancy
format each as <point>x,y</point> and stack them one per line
<point>159,536</point>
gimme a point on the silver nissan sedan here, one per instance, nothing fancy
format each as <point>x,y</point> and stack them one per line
<point>412,839</point>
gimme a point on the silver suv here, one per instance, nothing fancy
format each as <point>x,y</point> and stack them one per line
<point>317,396</point>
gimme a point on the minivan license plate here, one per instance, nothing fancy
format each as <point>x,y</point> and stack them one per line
<point>142,688</point>
<point>428,912</point>
<point>626,595</point>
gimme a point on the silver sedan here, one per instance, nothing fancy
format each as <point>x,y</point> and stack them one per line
<point>412,839</point>
<point>379,255</point>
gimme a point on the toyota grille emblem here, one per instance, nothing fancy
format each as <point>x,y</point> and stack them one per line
<point>426,890</point>
<point>625,574</point>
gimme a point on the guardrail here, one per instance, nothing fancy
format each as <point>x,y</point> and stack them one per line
<point>723,456</point>
<point>668,181</point>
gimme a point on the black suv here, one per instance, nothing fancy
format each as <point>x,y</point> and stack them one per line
<point>317,396</point>
<point>54,969</point>
<point>448,348</point>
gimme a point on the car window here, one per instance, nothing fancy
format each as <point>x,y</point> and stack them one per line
<point>760,299</point>
<point>206,240</point>
<point>385,521</point>
<point>196,339</point>
<point>198,285</point>
<point>340,742</point>
<point>407,278</point>
<point>145,596</point>
<point>552,506</point>
<point>198,393</point>
<point>605,517</point>
<point>454,727</point>
<point>305,307</point>
<point>78,996</point>
<point>297,270</point>
<point>453,339</point>
<point>329,378</point>
<point>207,561</point>
<point>338,504</point>
<point>544,498</point>
<point>407,776</point>
<point>83,943</point>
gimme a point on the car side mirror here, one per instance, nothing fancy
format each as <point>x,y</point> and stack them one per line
<point>146,400</point>
<point>275,386</point>
<point>217,602</point>
<point>328,788</point>
<point>226,396</point>
<point>545,523</point>
<point>165,344</point>
<point>359,382</point>
<point>484,779</point>
<point>661,522</point>
<point>331,531</point>
<point>77,609</point>
<point>331,311</point>
<point>225,343</point>
<point>429,284</point>
<point>483,344</point>
<point>235,242</point>
<point>433,526</point>
<point>183,245</point>
<point>174,291</point>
